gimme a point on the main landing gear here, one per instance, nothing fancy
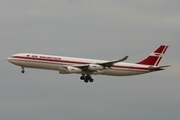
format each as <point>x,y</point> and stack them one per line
<point>86,78</point>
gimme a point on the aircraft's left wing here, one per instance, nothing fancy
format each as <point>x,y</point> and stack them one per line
<point>109,64</point>
<point>99,66</point>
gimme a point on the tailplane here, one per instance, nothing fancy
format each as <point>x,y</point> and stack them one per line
<point>155,57</point>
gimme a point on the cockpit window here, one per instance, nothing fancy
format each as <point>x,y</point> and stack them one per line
<point>13,56</point>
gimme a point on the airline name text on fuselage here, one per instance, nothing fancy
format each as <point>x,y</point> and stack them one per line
<point>45,57</point>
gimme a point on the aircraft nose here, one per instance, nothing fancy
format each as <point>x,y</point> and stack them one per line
<point>9,59</point>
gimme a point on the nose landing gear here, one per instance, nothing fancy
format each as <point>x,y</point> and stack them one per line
<point>86,78</point>
<point>23,71</point>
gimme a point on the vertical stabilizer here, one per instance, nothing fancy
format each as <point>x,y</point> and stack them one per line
<point>155,57</point>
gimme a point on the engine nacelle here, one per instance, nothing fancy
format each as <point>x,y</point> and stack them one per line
<point>69,69</point>
<point>95,67</point>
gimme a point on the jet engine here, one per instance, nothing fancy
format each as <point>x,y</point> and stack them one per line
<point>95,67</point>
<point>69,69</point>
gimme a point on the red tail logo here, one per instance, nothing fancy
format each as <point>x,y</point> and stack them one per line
<point>155,57</point>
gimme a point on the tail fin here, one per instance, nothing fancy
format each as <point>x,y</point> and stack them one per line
<point>154,58</point>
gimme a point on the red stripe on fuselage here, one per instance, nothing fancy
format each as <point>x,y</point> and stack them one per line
<point>51,60</point>
<point>65,62</point>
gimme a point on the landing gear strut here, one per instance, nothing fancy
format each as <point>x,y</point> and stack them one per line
<point>86,78</point>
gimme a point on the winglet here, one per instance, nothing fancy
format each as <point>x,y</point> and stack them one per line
<point>110,63</point>
<point>120,60</point>
<point>123,59</point>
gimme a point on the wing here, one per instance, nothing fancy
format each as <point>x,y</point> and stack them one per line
<point>99,66</point>
<point>109,64</point>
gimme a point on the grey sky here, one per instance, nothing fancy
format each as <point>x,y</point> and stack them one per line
<point>100,29</point>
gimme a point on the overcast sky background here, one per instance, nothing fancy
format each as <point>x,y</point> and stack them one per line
<point>100,29</point>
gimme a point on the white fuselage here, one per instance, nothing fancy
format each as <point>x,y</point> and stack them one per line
<point>51,62</point>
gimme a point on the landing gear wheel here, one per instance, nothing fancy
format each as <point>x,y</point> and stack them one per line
<point>86,80</point>
<point>82,77</point>
<point>23,71</point>
<point>87,77</point>
<point>91,80</point>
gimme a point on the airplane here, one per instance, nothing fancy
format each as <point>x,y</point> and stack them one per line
<point>88,67</point>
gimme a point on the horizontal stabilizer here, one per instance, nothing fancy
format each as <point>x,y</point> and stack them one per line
<point>158,68</point>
